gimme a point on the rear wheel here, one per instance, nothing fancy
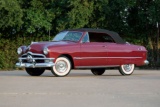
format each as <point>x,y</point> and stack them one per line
<point>35,71</point>
<point>98,71</point>
<point>126,69</point>
<point>62,67</point>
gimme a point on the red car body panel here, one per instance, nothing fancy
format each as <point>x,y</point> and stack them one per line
<point>94,54</point>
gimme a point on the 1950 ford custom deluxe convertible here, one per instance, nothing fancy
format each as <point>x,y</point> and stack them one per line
<point>95,49</point>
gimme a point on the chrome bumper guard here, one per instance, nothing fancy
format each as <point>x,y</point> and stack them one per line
<point>48,62</point>
<point>146,62</point>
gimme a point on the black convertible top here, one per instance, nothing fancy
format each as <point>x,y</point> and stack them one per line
<point>114,35</point>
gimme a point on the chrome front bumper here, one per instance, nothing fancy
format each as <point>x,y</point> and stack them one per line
<point>48,62</point>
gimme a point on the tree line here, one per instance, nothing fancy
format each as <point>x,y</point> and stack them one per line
<point>23,21</point>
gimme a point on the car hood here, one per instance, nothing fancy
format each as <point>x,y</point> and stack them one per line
<point>37,47</point>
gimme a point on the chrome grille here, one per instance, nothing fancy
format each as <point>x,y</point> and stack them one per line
<point>39,58</point>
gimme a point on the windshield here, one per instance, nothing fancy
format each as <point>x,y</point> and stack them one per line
<point>68,36</point>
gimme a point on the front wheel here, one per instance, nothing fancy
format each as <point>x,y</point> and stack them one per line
<point>62,67</point>
<point>35,71</point>
<point>126,69</point>
<point>98,71</point>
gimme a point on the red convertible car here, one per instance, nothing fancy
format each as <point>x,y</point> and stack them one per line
<point>95,49</point>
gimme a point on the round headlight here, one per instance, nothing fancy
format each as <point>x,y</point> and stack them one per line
<point>19,50</point>
<point>45,50</point>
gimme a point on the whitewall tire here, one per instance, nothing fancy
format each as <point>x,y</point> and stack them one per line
<point>62,67</point>
<point>127,69</point>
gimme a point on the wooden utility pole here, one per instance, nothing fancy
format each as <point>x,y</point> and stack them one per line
<point>157,42</point>
<point>49,31</point>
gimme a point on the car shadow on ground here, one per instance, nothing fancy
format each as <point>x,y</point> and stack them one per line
<point>72,74</point>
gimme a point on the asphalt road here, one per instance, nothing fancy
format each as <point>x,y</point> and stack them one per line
<point>80,89</point>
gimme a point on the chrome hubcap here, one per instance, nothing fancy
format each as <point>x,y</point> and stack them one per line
<point>61,66</point>
<point>127,67</point>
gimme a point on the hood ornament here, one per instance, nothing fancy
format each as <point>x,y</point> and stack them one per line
<point>29,58</point>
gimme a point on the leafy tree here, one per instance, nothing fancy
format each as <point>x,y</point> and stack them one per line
<point>10,16</point>
<point>37,17</point>
<point>71,14</point>
<point>98,14</point>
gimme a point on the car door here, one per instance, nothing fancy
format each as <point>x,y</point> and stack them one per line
<point>93,53</point>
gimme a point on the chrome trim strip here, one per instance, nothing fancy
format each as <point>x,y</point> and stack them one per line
<point>34,54</point>
<point>97,66</point>
<point>103,57</point>
<point>37,58</point>
<point>125,57</point>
